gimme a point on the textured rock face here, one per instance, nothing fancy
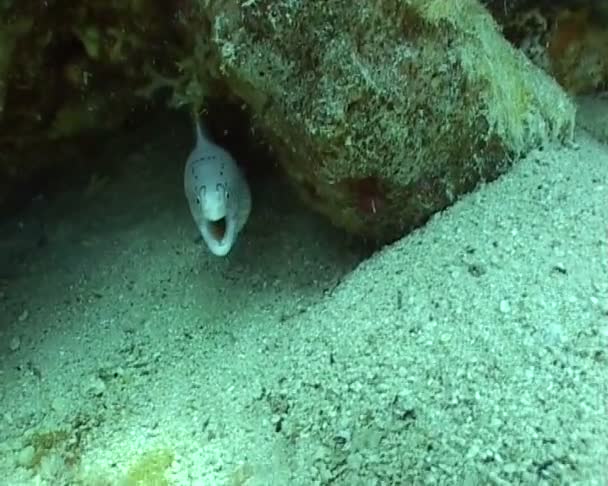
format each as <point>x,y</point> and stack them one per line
<point>383,114</point>
<point>72,72</point>
<point>566,38</point>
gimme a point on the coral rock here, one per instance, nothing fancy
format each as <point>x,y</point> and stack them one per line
<point>385,112</point>
<point>381,113</point>
<point>567,38</point>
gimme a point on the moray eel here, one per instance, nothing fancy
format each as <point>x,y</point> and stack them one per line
<point>217,193</point>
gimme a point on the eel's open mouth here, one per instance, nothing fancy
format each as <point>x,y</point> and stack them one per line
<point>217,228</point>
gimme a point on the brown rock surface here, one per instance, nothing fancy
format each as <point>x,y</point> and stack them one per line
<point>566,38</point>
<point>384,114</point>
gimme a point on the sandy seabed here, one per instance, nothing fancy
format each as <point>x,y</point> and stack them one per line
<point>473,351</point>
